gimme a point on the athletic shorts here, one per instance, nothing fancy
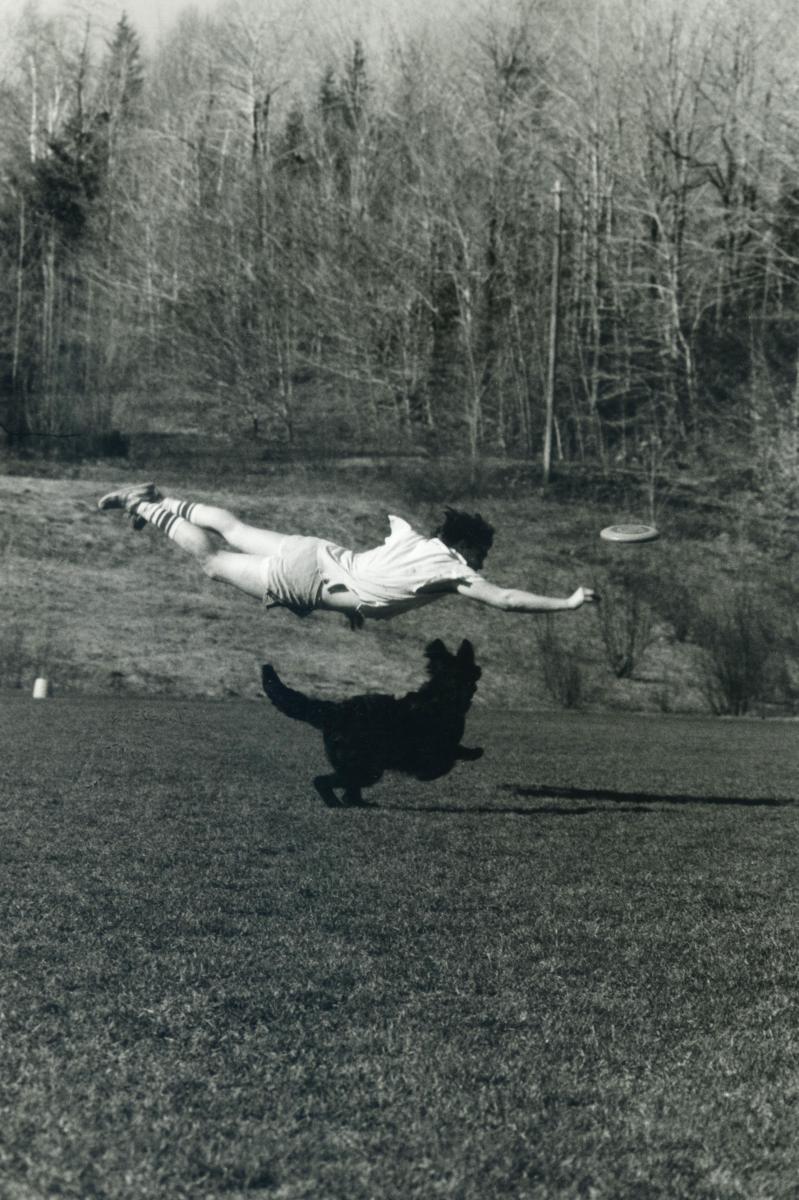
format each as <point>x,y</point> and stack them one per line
<point>292,578</point>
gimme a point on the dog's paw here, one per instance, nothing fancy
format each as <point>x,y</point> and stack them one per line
<point>268,674</point>
<point>470,753</point>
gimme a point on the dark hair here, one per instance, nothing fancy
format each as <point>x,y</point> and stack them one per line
<point>467,533</point>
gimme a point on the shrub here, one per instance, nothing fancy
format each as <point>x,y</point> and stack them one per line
<point>113,444</point>
<point>661,584</point>
<point>25,653</point>
<point>736,640</point>
<point>14,657</point>
<point>674,603</point>
<point>625,621</point>
<point>563,677</point>
<point>438,481</point>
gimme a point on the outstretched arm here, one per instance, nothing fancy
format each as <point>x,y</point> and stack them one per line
<point>516,600</point>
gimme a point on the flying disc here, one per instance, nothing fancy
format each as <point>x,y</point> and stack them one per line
<point>629,533</point>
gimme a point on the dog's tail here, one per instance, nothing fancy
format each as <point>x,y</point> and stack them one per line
<point>290,703</point>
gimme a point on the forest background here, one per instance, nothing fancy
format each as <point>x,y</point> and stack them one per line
<point>344,240</point>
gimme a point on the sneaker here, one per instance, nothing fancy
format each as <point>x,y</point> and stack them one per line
<point>125,497</point>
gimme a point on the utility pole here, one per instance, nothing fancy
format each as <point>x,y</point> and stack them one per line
<point>549,418</point>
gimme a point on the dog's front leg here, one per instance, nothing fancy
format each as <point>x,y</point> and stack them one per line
<point>325,785</point>
<point>353,797</point>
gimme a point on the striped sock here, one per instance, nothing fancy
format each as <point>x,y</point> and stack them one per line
<point>158,514</point>
<point>189,537</point>
<point>180,508</point>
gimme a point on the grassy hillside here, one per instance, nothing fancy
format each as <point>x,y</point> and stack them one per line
<point>99,609</point>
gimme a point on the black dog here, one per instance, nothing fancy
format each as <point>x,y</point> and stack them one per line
<point>418,734</point>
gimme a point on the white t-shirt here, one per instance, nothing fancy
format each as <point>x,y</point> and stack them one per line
<point>405,571</point>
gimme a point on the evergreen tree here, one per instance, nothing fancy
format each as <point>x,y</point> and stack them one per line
<point>67,182</point>
<point>124,74</point>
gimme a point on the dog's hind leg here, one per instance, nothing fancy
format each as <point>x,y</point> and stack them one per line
<point>352,798</point>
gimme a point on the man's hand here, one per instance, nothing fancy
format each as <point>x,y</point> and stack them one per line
<point>583,596</point>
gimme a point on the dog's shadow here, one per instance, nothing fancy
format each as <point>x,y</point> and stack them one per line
<point>418,734</point>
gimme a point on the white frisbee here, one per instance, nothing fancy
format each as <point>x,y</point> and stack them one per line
<point>629,533</point>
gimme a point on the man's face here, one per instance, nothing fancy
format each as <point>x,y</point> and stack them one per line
<point>474,555</point>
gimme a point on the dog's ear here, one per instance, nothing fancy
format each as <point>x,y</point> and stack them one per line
<point>437,650</point>
<point>466,651</point>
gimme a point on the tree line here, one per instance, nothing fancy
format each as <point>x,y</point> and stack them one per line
<point>355,247</point>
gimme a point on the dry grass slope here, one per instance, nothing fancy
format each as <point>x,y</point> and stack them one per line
<point>99,609</point>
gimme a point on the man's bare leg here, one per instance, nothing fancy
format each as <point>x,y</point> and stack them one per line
<point>247,538</point>
<point>242,570</point>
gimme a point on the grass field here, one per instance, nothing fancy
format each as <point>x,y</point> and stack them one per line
<point>568,970</point>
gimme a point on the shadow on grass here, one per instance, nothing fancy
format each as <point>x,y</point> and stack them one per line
<point>505,810</point>
<point>574,793</point>
<point>623,802</point>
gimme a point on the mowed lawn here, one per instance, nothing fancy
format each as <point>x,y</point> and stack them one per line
<point>568,970</point>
